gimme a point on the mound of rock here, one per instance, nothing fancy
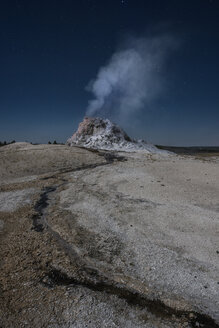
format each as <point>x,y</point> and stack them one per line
<point>101,133</point>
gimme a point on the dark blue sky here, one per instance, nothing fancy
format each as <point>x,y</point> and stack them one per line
<point>50,50</point>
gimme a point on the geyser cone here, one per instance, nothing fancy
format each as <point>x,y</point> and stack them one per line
<point>98,133</point>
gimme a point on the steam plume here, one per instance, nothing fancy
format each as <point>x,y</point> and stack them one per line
<point>132,78</point>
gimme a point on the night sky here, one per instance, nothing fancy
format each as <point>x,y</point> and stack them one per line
<point>50,50</point>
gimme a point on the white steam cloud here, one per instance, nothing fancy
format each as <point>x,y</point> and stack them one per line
<point>132,78</point>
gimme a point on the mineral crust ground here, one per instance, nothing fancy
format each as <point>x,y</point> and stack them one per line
<point>94,238</point>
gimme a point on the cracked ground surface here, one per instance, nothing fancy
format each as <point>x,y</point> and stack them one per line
<point>94,239</point>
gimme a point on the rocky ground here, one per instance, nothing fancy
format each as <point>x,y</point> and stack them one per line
<point>101,239</point>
